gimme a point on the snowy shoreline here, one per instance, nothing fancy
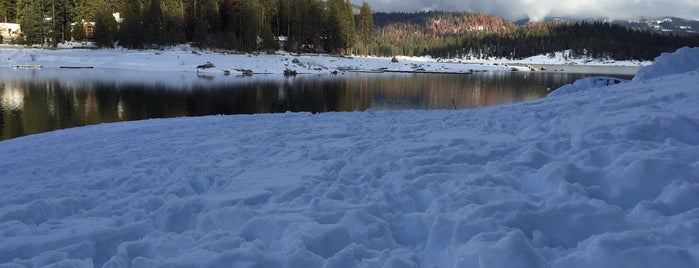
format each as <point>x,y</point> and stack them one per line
<point>597,175</point>
<point>187,59</point>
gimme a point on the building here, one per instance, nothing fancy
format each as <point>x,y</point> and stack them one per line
<point>88,29</point>
<point>10,32</point>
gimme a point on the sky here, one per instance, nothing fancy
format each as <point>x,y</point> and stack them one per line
<point>539,9</point>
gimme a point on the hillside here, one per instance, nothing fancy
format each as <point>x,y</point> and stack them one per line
<point>668,25</point>
<point>476,36</point>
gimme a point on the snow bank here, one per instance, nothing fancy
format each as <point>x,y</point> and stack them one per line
<point>585,84</point>
<point>600,178</point>
<point>683,60</point>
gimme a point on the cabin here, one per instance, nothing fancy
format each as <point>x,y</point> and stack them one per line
<point>10,32</point>
<point>88,29</point>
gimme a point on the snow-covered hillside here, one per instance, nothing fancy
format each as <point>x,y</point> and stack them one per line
<point>606,177</point>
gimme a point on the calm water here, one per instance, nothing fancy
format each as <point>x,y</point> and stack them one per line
<point>35,101</point>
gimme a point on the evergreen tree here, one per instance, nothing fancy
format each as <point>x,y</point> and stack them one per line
<point>294,12</point>
<point>284,17</point>
<point>350,33</point>
<point>367,32</point>
<point>341,33</point>
<point>153,23</point>
<point>105,28</point>
<point>78,32</point>
<point>268,40</point>
<point>248,16</point>
<point>201,17</point>
<point>33,18</point>
<point>131,34</point>
<point>61,14</point>
<point>87,9</point>
<point>8,10</point>
<point>271,9</point>
<point>174,21</point>
<point>303,22</point>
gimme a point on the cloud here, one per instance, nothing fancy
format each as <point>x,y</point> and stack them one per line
<point>538,9</point>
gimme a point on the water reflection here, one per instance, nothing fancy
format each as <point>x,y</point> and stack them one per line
<point>35,101</point>
<point>12,98</point>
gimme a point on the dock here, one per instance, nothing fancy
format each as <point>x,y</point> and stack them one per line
<point>76,67</point>
<point>22,66</point>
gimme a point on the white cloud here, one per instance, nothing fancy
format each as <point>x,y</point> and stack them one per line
<point>538,9</point>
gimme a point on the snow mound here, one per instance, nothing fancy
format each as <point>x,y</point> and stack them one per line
<point>600,178</point>
<point>585,84</point>
<point>681,61</point>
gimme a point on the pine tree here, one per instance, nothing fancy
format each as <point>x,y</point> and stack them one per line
<point>248,16</point>
<point>153,23</point>
<point>200,19</point>
<point>350,33</point>
<point>294,12</point>
<point>61,13</point>
<point>105,28</point>
<point>174,21</point>
<point>131,34</point>
<point>268,40</point>
<point>271,20</point>
<point>8,10</point>
<point>78,32</point>
<point>341,33</point>
<point>32,17</point>
<point>86,9</point>
<point>367,32</point>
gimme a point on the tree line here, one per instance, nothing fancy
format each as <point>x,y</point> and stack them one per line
<point>245,25</point>
<point>477,36</point>
<point>325,26</point>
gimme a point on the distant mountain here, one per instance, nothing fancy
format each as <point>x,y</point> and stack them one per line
<point>660,24</point>
<point>666,24</point>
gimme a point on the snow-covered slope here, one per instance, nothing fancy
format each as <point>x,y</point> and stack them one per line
<point>593,178</point>
<point>683,60</point>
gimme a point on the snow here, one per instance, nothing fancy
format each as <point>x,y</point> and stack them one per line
<point>561,58</point>
<point>187,59</point>
<point>184,58</point>
<point>683,60</point>
<point>584,84</point>
<point>593,177</point>
<point>555,58</point>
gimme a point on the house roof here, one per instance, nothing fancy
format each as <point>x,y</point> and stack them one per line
<point>12,26</point>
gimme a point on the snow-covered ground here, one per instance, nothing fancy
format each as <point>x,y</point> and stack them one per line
<point>593,176</point>
<point>187,59</point>
<point>564,58</point>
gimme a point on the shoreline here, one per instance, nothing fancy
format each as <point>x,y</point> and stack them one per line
<point>187,59</point>
<point>584,69</point>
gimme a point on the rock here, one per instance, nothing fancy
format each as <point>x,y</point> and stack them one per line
<point>206,66</point>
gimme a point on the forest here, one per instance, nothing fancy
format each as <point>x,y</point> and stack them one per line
<point>244,25</point>
<point>319,26</point>
<point>473,35</point>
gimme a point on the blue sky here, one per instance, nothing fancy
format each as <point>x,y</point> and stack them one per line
<point>537,9</point>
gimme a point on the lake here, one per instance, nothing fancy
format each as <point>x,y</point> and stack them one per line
<point>35,101</point>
